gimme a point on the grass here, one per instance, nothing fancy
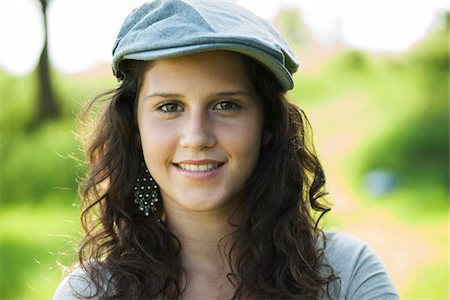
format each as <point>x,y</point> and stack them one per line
<point>32,240</point>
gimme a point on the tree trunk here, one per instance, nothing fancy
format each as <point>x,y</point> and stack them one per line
<point>48,107</point>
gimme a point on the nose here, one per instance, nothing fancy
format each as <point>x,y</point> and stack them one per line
<point>198,132</point>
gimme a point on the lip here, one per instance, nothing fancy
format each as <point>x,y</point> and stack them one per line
<point>195,172</point>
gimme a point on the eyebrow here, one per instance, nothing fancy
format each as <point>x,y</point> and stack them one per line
<point>220,94</point>
<point>163,95</point>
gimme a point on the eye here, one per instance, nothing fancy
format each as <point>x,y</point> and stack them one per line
<point>170,107</point>
<point>226,105</point>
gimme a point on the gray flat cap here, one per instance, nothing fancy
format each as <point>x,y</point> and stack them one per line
<point>169,28</point>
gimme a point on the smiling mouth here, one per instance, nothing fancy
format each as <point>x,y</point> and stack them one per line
<point>199,167</point>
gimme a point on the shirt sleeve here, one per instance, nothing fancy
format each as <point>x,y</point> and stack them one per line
<point>362,274</point>
<point>75,286</point>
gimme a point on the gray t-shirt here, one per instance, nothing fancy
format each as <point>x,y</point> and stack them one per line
<point>362,275</point>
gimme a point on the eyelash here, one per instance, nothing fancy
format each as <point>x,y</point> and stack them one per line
<point>163,107</point>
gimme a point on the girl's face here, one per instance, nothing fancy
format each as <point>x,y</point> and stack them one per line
<point>201,129</point>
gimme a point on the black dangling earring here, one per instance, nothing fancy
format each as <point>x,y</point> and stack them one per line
<point>146,192</point>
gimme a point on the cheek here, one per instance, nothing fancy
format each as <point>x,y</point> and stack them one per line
<point>156,141</point>
<point>245,140</point>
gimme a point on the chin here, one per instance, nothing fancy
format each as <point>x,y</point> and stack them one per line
<point>203,205</point>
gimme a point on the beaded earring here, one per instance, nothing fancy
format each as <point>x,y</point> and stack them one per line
<point>146,192</point>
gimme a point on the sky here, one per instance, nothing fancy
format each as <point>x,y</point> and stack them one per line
<point>82,32</point>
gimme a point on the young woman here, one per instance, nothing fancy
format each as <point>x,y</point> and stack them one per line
<point>203,183</point>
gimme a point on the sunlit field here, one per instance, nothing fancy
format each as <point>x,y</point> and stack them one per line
<point>380,127</point>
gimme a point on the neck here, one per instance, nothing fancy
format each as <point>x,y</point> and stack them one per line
<point>203,237</point>
<point>204,246</point>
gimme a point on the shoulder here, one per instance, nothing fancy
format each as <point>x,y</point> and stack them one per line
<point>78,285</point>
<point>361,272</point>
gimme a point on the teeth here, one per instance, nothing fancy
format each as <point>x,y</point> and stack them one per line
<point>199,168</point>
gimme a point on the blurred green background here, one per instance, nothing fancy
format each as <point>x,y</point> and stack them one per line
<point>381,129</point>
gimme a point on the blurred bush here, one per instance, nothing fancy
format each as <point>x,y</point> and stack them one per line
<point>41,160</point>
<point>403,105</point>
<point>416,148</point>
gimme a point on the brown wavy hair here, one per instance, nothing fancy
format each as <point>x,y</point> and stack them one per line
<point>275,248</point>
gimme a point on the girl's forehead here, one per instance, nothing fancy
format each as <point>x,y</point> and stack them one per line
<point>211,59</point>
<point>214,67</point>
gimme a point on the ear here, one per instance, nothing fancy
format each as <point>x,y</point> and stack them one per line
<point>267,137</point>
